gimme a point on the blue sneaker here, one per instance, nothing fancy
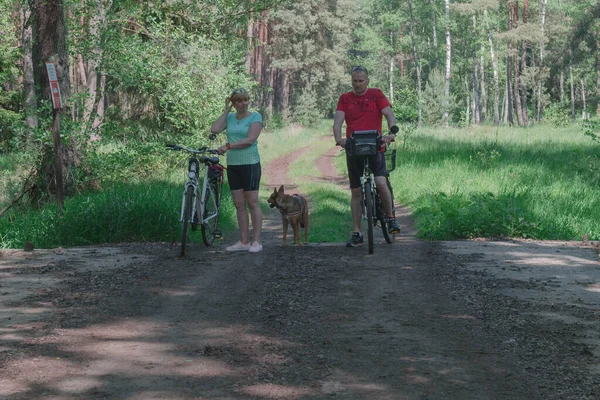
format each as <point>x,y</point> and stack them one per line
<point>393,227</point>
<point>355,240</point>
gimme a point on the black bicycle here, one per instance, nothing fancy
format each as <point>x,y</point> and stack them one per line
<point>366,144</point>
<point>201,207</point>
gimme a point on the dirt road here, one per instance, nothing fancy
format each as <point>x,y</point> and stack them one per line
<point>416,320</point>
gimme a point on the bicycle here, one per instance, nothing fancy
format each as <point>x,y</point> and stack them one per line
<point>366,144</point>
<point>201,208</point>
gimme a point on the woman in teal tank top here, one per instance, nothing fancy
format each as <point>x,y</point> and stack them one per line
<point>243,166</point>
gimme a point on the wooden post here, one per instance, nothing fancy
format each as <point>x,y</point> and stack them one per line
<point>58,159</point>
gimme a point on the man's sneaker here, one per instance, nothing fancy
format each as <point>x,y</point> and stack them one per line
<point>239,246</point>
<point>355,240</point>
<point>255,247</point>
<point>393,227</point>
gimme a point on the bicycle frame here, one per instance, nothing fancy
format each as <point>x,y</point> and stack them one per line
<point>200,208</point>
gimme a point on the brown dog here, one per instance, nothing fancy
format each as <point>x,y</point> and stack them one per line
<point>294,210</point>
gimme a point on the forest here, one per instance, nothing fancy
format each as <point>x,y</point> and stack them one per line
<point>135,73</point>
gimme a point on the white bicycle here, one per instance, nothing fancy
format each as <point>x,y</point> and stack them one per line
<point>201,207</point>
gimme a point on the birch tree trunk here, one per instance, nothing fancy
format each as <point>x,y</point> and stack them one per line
<point>434,33</point>
<point>391,80</point>
<point>476,105</point>
<point>562,87</point>
<point>468,102</point>
<point>417,64</point>
<point>572,84</point>
<point>448,59</point>
<point>540,108</point>
<point>584,115</point>
<point>495,71</point>
<point>483,89</point>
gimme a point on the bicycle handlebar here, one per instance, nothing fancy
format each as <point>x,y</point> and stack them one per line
<point>201,150</point>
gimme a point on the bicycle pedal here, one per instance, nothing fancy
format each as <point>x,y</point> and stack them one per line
<point>217,234</point>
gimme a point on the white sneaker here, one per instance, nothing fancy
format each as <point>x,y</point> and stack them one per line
<point>239,246</point>
<point>255,247</point>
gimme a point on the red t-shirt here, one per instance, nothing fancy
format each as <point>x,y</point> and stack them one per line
<point>363,112</point>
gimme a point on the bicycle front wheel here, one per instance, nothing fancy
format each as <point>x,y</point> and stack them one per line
<point>370,222</point>
<point>187,216</point>
<point>210,218</point>
<point>383,217</point>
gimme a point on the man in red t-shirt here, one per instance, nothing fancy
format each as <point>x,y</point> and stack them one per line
<point>364,109</point>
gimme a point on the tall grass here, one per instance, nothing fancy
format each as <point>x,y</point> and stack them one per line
<point>539,182</point>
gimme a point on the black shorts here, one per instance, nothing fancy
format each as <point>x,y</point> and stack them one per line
<point>356,166</point>
<point>245,177</point>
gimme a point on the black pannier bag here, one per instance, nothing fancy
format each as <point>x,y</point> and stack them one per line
<point>364,143</point>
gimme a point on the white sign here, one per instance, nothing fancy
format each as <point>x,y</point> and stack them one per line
<point>51,69</point>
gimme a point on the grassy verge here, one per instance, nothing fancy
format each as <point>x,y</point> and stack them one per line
<point>539,183</point>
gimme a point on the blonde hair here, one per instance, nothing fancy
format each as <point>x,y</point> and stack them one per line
<point>239,94</point>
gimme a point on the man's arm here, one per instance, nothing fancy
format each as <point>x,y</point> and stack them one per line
<point>338,121</point>
<point>391,120</point>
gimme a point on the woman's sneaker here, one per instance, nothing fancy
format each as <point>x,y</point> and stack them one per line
<point>255,247</point>
<point>239,246</point>
<point>355,240</point>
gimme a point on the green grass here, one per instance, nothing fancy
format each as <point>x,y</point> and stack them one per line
<point>540,183</point>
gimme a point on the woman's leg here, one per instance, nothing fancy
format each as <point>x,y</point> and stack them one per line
<point>251,198</point>
<point>239,200</point>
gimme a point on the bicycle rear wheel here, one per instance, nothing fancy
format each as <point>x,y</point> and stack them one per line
<point>370,221</point>
<point>212,201</point>
<point>187,216</point>
<point>383,217</point>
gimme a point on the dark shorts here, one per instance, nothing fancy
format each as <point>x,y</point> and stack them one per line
<point>245,177</point>
<point>356,165</point>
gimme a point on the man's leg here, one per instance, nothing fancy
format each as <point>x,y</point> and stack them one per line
<point>384,193</point>
<point>356,208</point>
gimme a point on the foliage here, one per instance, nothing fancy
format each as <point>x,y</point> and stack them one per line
<point>434,99</point>
<point>558,115</point>
<point>405,106</point>
<point>591,128</point>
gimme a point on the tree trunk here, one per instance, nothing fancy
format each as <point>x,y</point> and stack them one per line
<point>90,71</point>
<point>584,112</point>
<point>417,64</point>
<point>496,74</point>
<point>468,102</point>
<point>562,87</point>
<point>516,83</point>
<point>391,80</point>
<point>509,63</point>
<point>598,80</point>
<point>483,89</point>
<point>572,84</point>
<point>434,33</point>
<point>28,77</point>
<point>540,110</point>
<point>476,105</point>
<point>448,59</point>
<point>50,44</point>
<point>522,85</point>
